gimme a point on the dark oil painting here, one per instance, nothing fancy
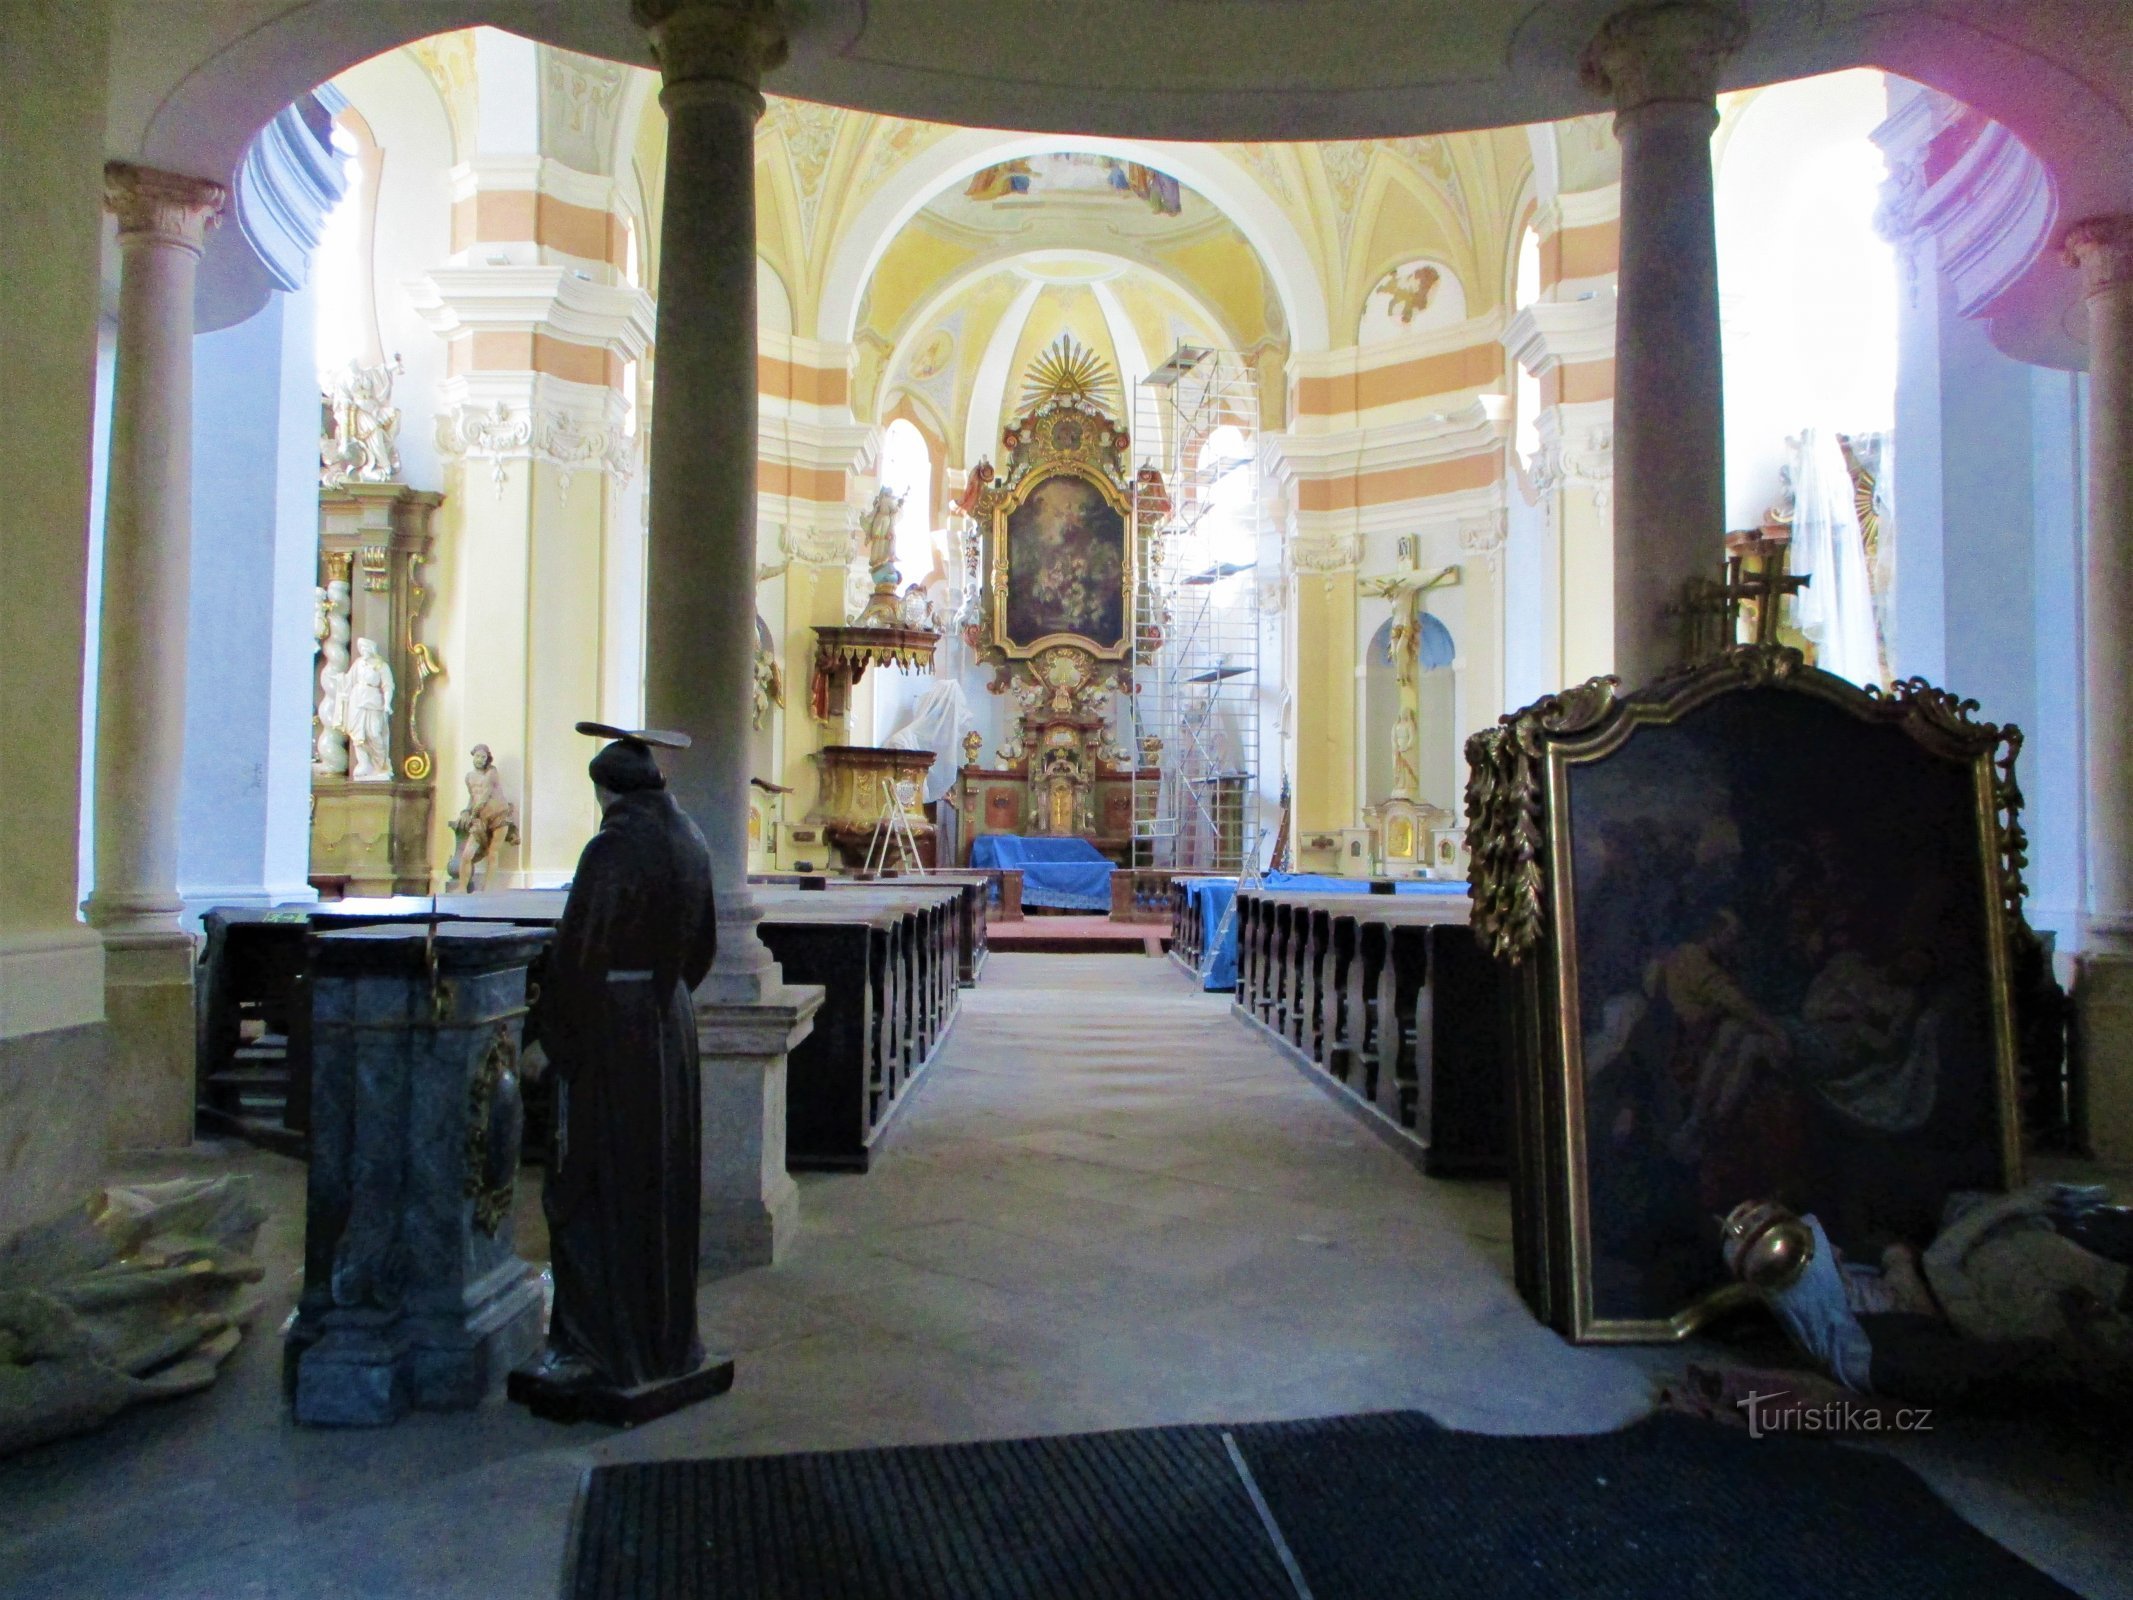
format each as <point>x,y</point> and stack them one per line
<point>1066,564</point>
<point>1784,975</point>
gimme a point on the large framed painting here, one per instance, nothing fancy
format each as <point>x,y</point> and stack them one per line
<point>1761,920</point>
<point>1062,567</point>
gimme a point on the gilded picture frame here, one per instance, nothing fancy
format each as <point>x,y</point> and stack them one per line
<point>1079,591</point>
<point>1847,982</point>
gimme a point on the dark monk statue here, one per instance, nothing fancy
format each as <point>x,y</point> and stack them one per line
<point>615,1019</point>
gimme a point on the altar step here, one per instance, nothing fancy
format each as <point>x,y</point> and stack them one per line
<point>1078,936</point>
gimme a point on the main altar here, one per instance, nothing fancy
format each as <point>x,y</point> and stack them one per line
<point>1058,553</point>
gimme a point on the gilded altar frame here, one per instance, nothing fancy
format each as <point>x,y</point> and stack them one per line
<point>1526,898</point>
<point>1004,509</point>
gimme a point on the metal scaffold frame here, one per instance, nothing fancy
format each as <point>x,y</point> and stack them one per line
<point>1195,660</point>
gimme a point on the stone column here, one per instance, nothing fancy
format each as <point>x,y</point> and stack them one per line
<point>163,220</point>
<point>700,592</point>
<point>2102,247</point>
<point>700,568</point>
<point>1660,65</point>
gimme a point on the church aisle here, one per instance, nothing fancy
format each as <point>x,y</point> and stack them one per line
<point>1109,1204</point>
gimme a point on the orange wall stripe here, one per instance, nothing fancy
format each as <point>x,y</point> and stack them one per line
<point>788,380</point>
<point>823,484</point>
<point>514,216</point>
<point>1475,367</point>
<point>487,350</point>
<point>1477,471</point>
<point>1590,252</point>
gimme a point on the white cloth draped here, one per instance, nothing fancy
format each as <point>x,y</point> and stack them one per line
<point>1836,610</point>
<point>937,721</point>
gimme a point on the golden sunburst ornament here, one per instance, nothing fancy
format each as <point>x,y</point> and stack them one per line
<point>1069,371</point>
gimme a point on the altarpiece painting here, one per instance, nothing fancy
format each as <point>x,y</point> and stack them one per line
<point>1062,553</point>
<point>1060,550</point>
<point>1761,920</point>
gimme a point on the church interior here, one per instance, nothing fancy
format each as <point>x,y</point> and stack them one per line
<point>1412,723</point>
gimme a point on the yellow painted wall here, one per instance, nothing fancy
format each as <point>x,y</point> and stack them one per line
<point>1324,685</point>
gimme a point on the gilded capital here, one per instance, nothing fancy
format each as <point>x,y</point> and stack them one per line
<point>2102,247</point>
<point>714,43</point>
<point>165,207</point>
<point>1652,53</point>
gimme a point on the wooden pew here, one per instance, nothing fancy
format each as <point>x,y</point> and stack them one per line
<point>890,997</point>
<point>974,905</point>
<point>892,986</point>
<point>1392,998</point>
<point>843,1079</point>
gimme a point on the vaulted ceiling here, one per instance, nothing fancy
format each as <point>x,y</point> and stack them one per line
<point>190,84</point>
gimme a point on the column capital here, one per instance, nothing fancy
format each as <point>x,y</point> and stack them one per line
<point>1672,51</point>
<point>713,45</point>
<point>2102,248</point>
<point>166,207</point>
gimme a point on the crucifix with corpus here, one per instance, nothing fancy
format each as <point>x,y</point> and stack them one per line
<point>1405,590</point>
<point>1404,645</point>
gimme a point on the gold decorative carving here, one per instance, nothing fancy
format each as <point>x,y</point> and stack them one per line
<point>492,1199</point>
<point>418,765</point>
<point>1943,716</point>
<point>1072,372</point>
<point>1503,813</point>
<point>1526,911</point>
<point>843,655</point>
<point>375,560</point>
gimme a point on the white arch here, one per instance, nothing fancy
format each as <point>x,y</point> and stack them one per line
<point>1225,184</point>
<point>981,442</point>
<point>945,292</point>
<point>1126,340</point>
<point>988,385</point>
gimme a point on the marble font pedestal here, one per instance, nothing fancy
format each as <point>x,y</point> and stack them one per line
<point>414,1294</point>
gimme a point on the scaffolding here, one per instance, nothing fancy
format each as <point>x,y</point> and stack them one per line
<point>1196,670</point>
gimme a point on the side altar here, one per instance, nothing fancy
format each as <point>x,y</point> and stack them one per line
<point>372,780</point>
<point>1061,554</point>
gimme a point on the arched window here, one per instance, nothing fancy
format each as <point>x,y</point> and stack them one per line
<point>1233,534</point>
<point>346,321</point>
<point>1526,391</point>
<point>907,470</point>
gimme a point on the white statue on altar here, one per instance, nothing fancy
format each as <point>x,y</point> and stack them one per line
<point>937,720</point>
<point>366,714</point>
<point>330,628</point>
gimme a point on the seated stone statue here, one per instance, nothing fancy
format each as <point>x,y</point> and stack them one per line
<point>615,1020</point>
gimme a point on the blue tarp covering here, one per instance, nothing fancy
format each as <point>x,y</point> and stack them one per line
<point>1219,964</point>
<point>1065,874</point>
